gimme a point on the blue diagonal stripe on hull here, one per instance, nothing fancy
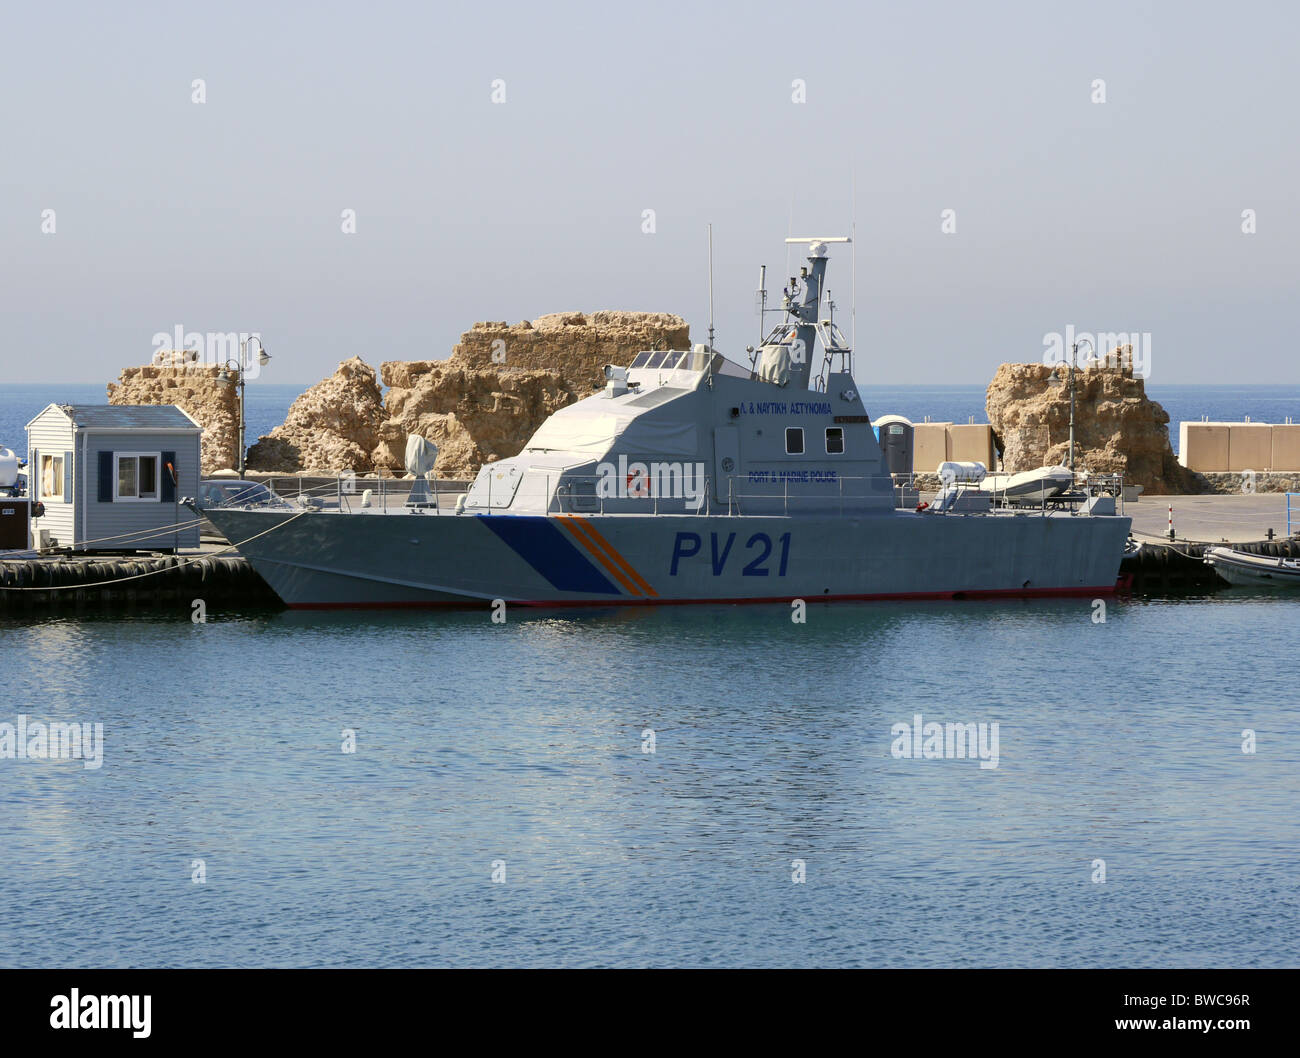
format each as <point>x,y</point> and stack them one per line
<point>539,543</point>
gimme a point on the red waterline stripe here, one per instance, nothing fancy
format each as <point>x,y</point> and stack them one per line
<point>990,593</point>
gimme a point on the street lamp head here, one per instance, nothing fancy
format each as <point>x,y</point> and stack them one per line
<point>263,357</point>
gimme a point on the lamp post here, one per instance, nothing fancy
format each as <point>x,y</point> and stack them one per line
<point>1074,357</point>
<point>241,366</point>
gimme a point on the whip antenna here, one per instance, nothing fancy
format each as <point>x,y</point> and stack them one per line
<point>853,296</point>
<point>710,290</point>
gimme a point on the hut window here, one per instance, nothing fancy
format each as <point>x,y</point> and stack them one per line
<point>52,477</point>
<point>137,476</point>
<point>794,440</point>
<point>835,440</point>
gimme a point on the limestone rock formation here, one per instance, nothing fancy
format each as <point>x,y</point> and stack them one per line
<point>473,416</point>
<point>1118,430</point>
<point>502,381</point>
<point>332,427</point>
<point>195,389</point>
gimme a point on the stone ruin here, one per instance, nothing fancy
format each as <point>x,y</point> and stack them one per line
<point>175,378</point>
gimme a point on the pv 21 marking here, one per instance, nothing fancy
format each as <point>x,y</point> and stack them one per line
<point>754,558</point>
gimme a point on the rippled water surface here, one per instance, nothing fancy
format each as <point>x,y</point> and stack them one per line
<point>523,743</point>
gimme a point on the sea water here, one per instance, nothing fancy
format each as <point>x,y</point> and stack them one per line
<point>695,786</point>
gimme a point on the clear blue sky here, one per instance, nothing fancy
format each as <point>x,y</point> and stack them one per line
<point>225,216</point>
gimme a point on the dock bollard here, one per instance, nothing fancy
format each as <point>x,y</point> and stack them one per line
<point>1171,521</point>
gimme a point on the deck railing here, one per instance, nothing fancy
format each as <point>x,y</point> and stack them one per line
<point>780,494</point>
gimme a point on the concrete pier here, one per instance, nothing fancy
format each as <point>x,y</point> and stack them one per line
<point>1214,519</point>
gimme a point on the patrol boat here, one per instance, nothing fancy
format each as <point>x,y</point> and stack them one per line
<point>691,478</point>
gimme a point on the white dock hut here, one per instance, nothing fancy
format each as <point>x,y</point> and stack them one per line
<point>110,477</point>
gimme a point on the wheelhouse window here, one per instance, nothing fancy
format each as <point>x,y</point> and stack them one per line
<point>52,477</point>
<point>794,440</point>
<point>137,476</point>
<point>835,440</point>
<point>640,360</point>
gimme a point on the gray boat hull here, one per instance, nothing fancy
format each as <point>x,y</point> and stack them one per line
<point>325,559</point>
<point>1242,568</point>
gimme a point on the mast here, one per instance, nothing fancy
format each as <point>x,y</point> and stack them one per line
<point>806,311</point>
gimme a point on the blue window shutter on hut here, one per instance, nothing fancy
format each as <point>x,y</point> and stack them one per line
<point>67,477</point>
<point>105,477</point>
<point>168,491</point>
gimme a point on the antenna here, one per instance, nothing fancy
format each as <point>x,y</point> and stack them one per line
<point>710,292</point>
<point>760,300</point>
<point>789,231</point>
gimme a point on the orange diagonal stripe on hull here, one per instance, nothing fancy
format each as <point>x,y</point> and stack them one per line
<point>627,566</point>
<point>577,530</point>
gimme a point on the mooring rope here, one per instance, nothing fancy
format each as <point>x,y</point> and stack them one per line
<point>160,530</point>
<point>178,564</point>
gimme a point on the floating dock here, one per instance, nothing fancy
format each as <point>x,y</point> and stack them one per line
<point>1174,568</point>
<point>68,582</point>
